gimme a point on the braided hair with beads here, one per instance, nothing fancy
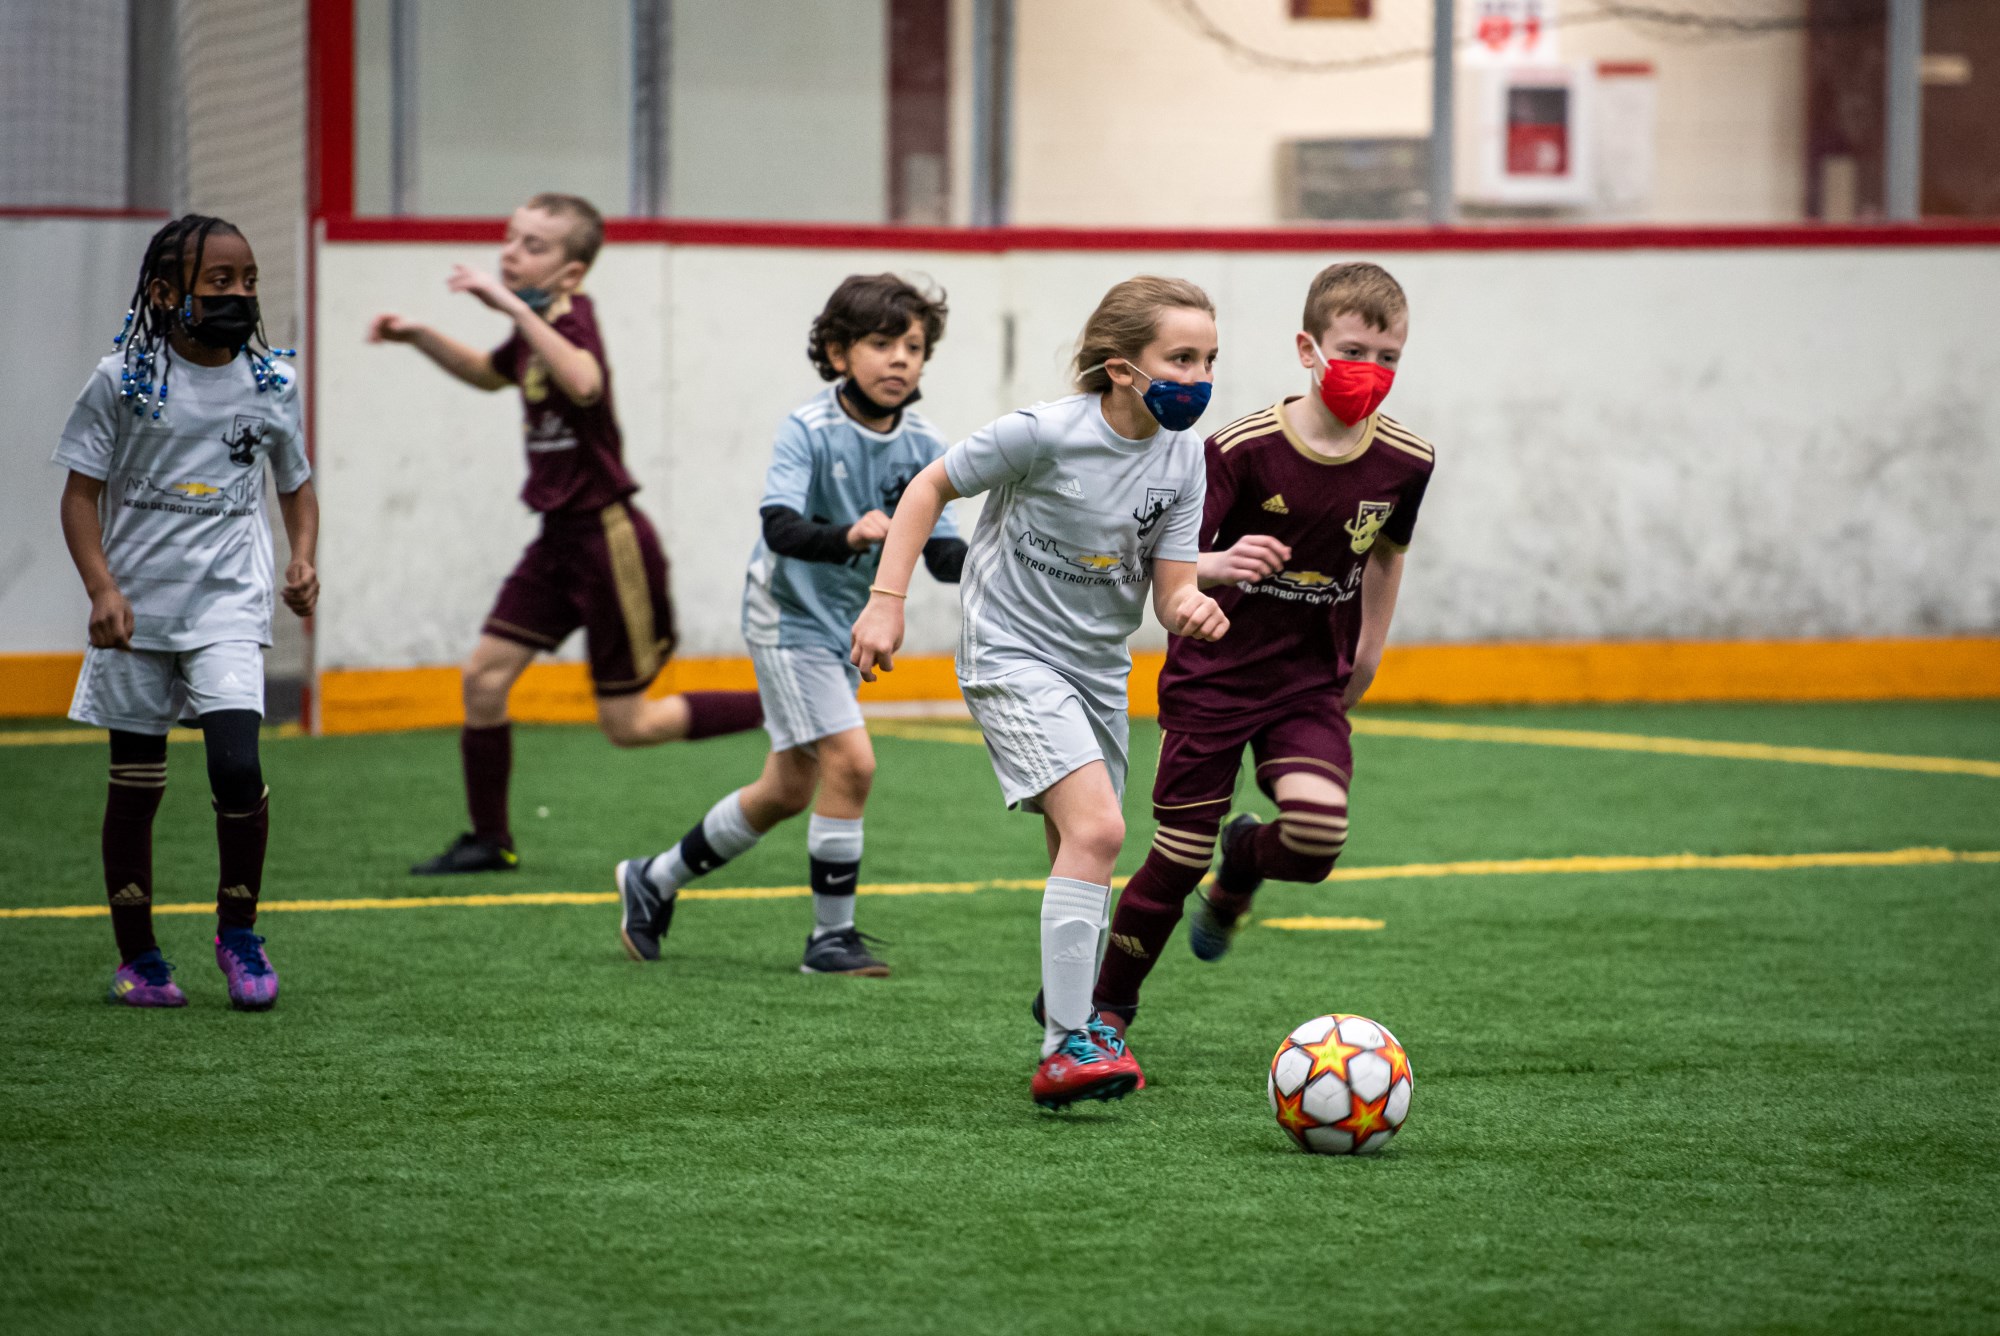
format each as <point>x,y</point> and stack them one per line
<point>174,257</point>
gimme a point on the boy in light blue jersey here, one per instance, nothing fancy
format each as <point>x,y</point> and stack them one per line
<point>839,469</point>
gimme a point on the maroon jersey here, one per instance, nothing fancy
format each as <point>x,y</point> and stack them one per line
<point>1293,634</point>
<point>576,459</point>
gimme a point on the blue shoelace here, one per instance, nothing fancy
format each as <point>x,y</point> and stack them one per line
<point>247,948</point>
<point>1106,1037</point>
<point>1079,1047</point>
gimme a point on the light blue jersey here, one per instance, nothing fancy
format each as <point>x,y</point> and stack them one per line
<point>832,470</point>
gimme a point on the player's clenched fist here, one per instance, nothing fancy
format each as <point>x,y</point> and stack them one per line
<point>878,634</point>
<point>301,590</point>
<point>1197,616</point>
<point>867,531</point>
<point>1253,557</point>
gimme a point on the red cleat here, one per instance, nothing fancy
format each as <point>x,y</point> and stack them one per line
<point>1082,1067</point>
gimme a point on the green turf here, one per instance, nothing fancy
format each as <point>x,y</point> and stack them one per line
<point>1699,1101</point>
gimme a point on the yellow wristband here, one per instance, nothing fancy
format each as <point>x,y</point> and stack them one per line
<point>892,593</point>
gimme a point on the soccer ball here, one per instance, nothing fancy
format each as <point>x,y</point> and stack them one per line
<point>1340,1085</point>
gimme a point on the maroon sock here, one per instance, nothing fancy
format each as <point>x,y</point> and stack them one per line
<point>488,757</point>
<point>136,790</point>
<point>240,838</point>
<point>714,714</point>
<point>1302,844</point>
<point>1146,915</point>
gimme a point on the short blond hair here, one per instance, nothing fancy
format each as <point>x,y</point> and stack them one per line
<point>586,225</point>
<point>1126,321</point>
<point>1355,287</point>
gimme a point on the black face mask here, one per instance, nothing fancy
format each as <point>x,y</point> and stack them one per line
<point>225,322</point>
<point>868,407</point>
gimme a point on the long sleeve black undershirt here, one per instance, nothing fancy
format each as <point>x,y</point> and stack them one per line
<point>790,534</point>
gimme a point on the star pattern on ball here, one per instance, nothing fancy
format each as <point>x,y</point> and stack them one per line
<point>1399,1062</point>
<point>1365,1118</point>
<point>1329,1055</point>
<point>1291,1112</point>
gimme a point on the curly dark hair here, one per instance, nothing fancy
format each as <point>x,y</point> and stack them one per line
<point>867,304</point>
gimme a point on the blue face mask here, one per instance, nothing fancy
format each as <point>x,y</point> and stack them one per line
<point>1174,405</point>
<point>538,299</point>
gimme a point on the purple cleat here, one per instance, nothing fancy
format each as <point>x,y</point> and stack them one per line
<point>146,980</point>
<point>253,984</point>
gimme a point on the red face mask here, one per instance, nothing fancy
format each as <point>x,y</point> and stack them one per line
<point>1353,390</point>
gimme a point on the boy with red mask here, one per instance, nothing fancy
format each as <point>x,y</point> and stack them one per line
<point>1310,505</point>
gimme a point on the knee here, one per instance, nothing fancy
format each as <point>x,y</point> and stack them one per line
<point>851,771</point>
<point>485,685</point>
<point>1099,838</point>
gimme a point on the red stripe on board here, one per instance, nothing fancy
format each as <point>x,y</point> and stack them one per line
<point>330,108</point>
<point>692,232</point>
<point>62,211</point>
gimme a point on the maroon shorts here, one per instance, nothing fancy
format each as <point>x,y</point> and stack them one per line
<point>601,570</point>
<point>1197,773</point>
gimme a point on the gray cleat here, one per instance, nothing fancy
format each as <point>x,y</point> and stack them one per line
<point>645,914</point>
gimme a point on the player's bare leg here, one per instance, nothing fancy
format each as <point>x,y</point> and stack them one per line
<point>486,751</point>
<point>639,720</point>
<point>1082,1058</point>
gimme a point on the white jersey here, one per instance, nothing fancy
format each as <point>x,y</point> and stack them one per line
<point>1059,566</point>
<point>183,504</point>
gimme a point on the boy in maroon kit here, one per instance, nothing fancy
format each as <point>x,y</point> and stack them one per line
<point>598,563</point>
<point>1310,505</point>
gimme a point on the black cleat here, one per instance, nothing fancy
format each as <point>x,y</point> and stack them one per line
<point>1210,929</point>
<point>843,952</point>
<point>645,915</point>
<point>469,853</point>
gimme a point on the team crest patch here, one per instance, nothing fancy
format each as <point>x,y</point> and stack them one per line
<point>1158,501</point>
<point>535,381</point>
<point>1368,522</point>
<point>244,436</point>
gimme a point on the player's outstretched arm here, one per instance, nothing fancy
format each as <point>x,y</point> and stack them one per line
<point>467,363</point>
<point>83,532</point>
<point>1379,583</point>
<point>1181,606</point>
<point>878,631</point>
<point>300,510</point>
<point>575,372</point>
<point>1253,557</point>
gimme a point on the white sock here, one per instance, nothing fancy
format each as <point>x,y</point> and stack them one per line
<point>723,834</point>
<point>834,845</point>
<point>1074,916</point>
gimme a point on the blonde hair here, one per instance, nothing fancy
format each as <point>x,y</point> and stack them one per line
<point>1126,321</point>
<point>1358,287</point>
<point>586,225</point>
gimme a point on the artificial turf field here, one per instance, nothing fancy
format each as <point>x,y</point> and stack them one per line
<point>1680,1099</point>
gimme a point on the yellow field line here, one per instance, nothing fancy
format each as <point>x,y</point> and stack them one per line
<point>1569,737</point>
<point>1319,924</point>
<point>70,737</point>
<point>1918,857</point>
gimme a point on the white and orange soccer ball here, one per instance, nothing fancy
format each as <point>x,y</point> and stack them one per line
<point>1340,1085</point>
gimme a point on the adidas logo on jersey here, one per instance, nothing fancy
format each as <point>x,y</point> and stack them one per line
<point>840,470</point>
<point>1276,505</point>
<point>1070,487</point>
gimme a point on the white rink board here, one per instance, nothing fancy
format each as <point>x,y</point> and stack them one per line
<point>1766,442</point>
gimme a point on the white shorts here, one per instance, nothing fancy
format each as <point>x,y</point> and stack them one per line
<point>808,694</point>
<point>1040,726</point>
<point>150,690</point>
